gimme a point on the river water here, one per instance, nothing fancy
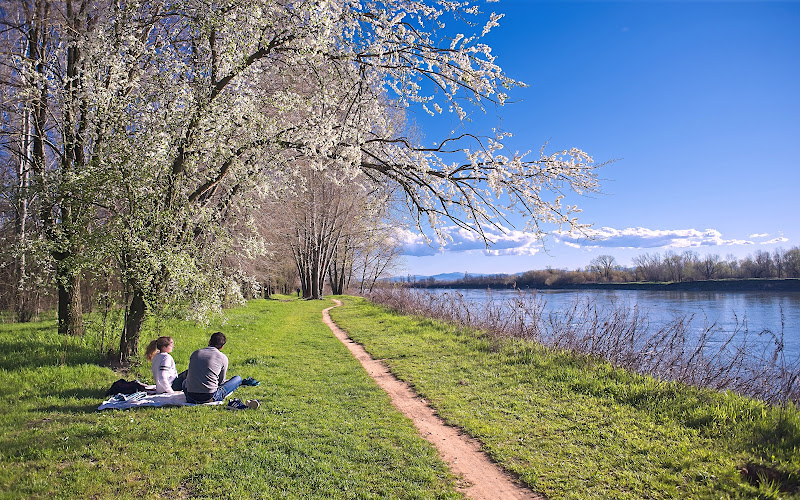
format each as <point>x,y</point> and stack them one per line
<point>758,311</point>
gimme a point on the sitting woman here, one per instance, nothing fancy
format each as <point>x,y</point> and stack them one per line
<point>163,366</point>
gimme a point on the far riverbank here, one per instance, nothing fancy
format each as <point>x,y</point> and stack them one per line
<point>730,285</point>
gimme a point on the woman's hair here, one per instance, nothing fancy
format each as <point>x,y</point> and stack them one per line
<point>157,345</point>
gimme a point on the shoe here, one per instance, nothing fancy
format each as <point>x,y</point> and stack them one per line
<point>250,381</point>
<point>253,404</point>
<point>236,404</point>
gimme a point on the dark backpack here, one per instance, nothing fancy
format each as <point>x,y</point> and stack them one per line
<point>122,386</point>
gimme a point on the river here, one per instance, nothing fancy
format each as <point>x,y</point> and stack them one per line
<point>759,311</point>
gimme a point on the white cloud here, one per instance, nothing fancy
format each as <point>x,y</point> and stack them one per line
<point>759,235</point>
<point>514,242</point>
<point>641,238</point>
<point>779,239</point>
<point>415,243</point>
<point>510,242</point>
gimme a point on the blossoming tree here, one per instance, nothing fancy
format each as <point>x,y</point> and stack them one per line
<point>203,102</point>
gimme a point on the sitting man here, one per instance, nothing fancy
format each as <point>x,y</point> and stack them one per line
<point>205,378</point>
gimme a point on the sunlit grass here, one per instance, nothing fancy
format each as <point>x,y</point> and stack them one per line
<point>574,427</point>
<point>324,429</point>
<point>570,427</point>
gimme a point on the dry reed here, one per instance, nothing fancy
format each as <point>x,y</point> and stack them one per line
<point>754,365</point>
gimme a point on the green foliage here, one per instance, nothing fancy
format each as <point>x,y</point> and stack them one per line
<point>324,429</point>
<point>574,427</point>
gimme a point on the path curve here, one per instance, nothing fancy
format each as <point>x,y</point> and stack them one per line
<point>482,478</point>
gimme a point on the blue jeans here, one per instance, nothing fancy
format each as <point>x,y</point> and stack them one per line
<point>177,384</point>
<point>228,387</point>
<point>221,393</point>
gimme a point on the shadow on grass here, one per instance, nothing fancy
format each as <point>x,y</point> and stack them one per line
<point>783,481</point>
<point>80,393</point>
<point>72,409</point>
<point>40,351</point>
<point>778,434</point>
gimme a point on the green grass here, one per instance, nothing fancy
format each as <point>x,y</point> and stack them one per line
<point>569,427</point>
<point>573,427</point>
<point>324,429</point>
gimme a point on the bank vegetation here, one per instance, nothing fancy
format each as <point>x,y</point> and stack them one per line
<point>652,268</point>
<point>686,349</point>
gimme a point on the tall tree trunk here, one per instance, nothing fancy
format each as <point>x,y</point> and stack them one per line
<point>129,342</point>
<point>333,276</point>
<point>70,314</point>
<point>335,279</point>
<point>316,292</point>
<point>337,269</point>
<point>23,307</point>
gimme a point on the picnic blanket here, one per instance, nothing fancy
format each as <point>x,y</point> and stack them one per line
<point>138,399</point>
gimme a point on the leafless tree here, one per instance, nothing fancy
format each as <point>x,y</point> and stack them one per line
<point>710,266</point>
<point>311,220</point>
<point>791,261</point>
<point>691,265</point>
<point>673,263</point>
<point>649,267</point>
<point>603,265</point>
<point>369,248</point>
<point>759,265</point>
<point>255,256</point>
<point>778,259</point>
<point>340,271</point>
<point>378,256</point>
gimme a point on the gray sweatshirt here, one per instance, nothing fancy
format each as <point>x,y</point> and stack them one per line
<point>207,370</point>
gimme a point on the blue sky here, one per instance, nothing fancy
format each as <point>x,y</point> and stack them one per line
<point>698,103</point>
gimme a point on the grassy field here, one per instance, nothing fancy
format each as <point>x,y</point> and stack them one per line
<point>571,428</point>
<point>324,429</point>
<point>577,428</point>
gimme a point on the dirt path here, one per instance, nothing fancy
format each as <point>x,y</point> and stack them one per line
<point>482,478</point>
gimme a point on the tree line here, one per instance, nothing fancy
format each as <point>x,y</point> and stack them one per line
<point>181,155</point>
<point>649,267</point>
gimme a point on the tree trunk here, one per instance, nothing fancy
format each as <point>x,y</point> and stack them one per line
<point>23,303</point>
<point>316,292</point>
<point>129,343</point>
<point>336,277</point>
<point>338,268</point>
<point>70,318</point>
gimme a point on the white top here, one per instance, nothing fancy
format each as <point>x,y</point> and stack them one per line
<point>164,372</point>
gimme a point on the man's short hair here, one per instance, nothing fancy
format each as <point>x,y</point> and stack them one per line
<point>217,340</point>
